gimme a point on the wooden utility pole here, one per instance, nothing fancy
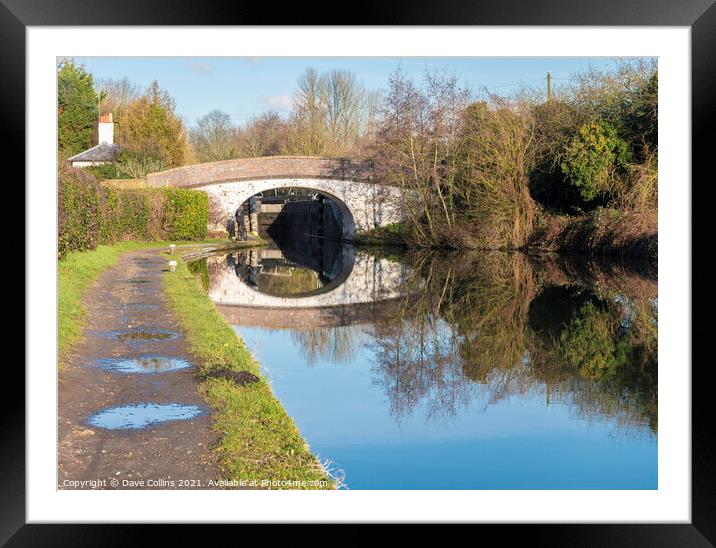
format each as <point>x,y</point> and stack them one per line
<point>549,85</point>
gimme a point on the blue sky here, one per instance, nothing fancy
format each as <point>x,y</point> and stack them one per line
<point>247,86</point>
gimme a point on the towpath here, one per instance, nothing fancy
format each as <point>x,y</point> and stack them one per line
<point>130,412</point>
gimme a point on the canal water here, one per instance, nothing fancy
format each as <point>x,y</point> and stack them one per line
<point>472,371</point>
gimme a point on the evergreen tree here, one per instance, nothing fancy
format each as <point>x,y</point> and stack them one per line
<point>76,109</point>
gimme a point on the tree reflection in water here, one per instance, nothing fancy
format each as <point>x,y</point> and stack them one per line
<point>332,344</point>
<point>498,325</point>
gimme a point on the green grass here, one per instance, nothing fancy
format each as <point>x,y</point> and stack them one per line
<point>392,234</point>
<point>75,273</point>
<point>259,441</point>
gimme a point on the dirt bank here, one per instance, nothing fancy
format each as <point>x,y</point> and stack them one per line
<point>606,232</point>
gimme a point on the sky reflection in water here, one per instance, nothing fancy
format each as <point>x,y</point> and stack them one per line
<point>491,373</point>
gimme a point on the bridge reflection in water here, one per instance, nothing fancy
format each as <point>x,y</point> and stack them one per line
<point>307,282</point>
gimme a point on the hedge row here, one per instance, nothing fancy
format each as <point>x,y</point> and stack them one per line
<point>92,214</point>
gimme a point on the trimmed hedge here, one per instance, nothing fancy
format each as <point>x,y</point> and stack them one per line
<point>78,207</point>
<point>186,213</point>
<point>90,214</point>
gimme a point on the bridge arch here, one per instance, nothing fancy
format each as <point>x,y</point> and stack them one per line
<point>224,198</point>
<point>349,184</point>
<point>367,279</point>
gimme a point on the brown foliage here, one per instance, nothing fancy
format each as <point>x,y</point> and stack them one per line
<point>498,155</point>
<point>602,232</point>
<point>149,126</point>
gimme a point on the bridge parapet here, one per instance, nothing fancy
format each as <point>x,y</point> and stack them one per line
<point>267,167</point>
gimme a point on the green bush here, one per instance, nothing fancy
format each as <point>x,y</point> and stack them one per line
<point>107,171</point>
<point>79,212</point>
<point>126,215</point>
<point>593,157</point>
<point>186,213</point>
<point>91,214</point>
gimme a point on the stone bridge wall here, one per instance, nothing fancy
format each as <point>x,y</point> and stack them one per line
<point>268,167</point>
<point>364,202</point>
<point>364,205</point>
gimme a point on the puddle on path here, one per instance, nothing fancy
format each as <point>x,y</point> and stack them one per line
<point>137,336</point>
<point>145,364</point>
<point>141,415</point>
<point>140,306</point>
<point>139,281</point>
<point>144,335</point>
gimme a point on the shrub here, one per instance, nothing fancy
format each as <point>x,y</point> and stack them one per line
<point>91,214</point>
<point>497,155</point>
<point>643,184</point>
<point>125,215</point>
<point>135,165</point>
<point>186,213</point>
<point>106,171</point>
<point>556,122</point>
<point>129,165</point>
<point>78,202</point>
<point>604,231</point>
<point>642,117</point>
<point>591,159</point>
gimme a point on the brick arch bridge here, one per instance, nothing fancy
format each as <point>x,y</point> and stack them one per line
<point>363,202</point>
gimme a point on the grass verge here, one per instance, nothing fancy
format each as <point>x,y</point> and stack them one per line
<point>259,441</point>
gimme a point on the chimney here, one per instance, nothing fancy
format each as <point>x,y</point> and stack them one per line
<point>105,129</point>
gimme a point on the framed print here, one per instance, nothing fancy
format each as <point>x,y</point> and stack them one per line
<point>421,269</point>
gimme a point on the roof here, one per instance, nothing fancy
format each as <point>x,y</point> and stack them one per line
<point>102,152</point>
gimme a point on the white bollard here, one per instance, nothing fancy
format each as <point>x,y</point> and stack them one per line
<point>172,265</point>
<point>171,249</point>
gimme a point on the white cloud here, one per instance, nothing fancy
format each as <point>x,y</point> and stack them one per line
<point>280,103</point>
<point>201,67</point>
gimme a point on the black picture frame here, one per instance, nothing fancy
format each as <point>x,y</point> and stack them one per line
<point>699,15</point>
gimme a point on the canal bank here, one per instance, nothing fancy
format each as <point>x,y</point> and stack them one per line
<point>607,233</point>
<point>143,405</point>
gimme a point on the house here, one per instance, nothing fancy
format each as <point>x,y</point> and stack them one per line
<point>105,151</point>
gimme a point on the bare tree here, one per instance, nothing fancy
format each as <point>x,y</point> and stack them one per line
<point>332,112</point>
<point>418,150</point>
<point>308,122</point>
<point>265,135</point>
<point>117,94</point>
<point>214,137</point>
